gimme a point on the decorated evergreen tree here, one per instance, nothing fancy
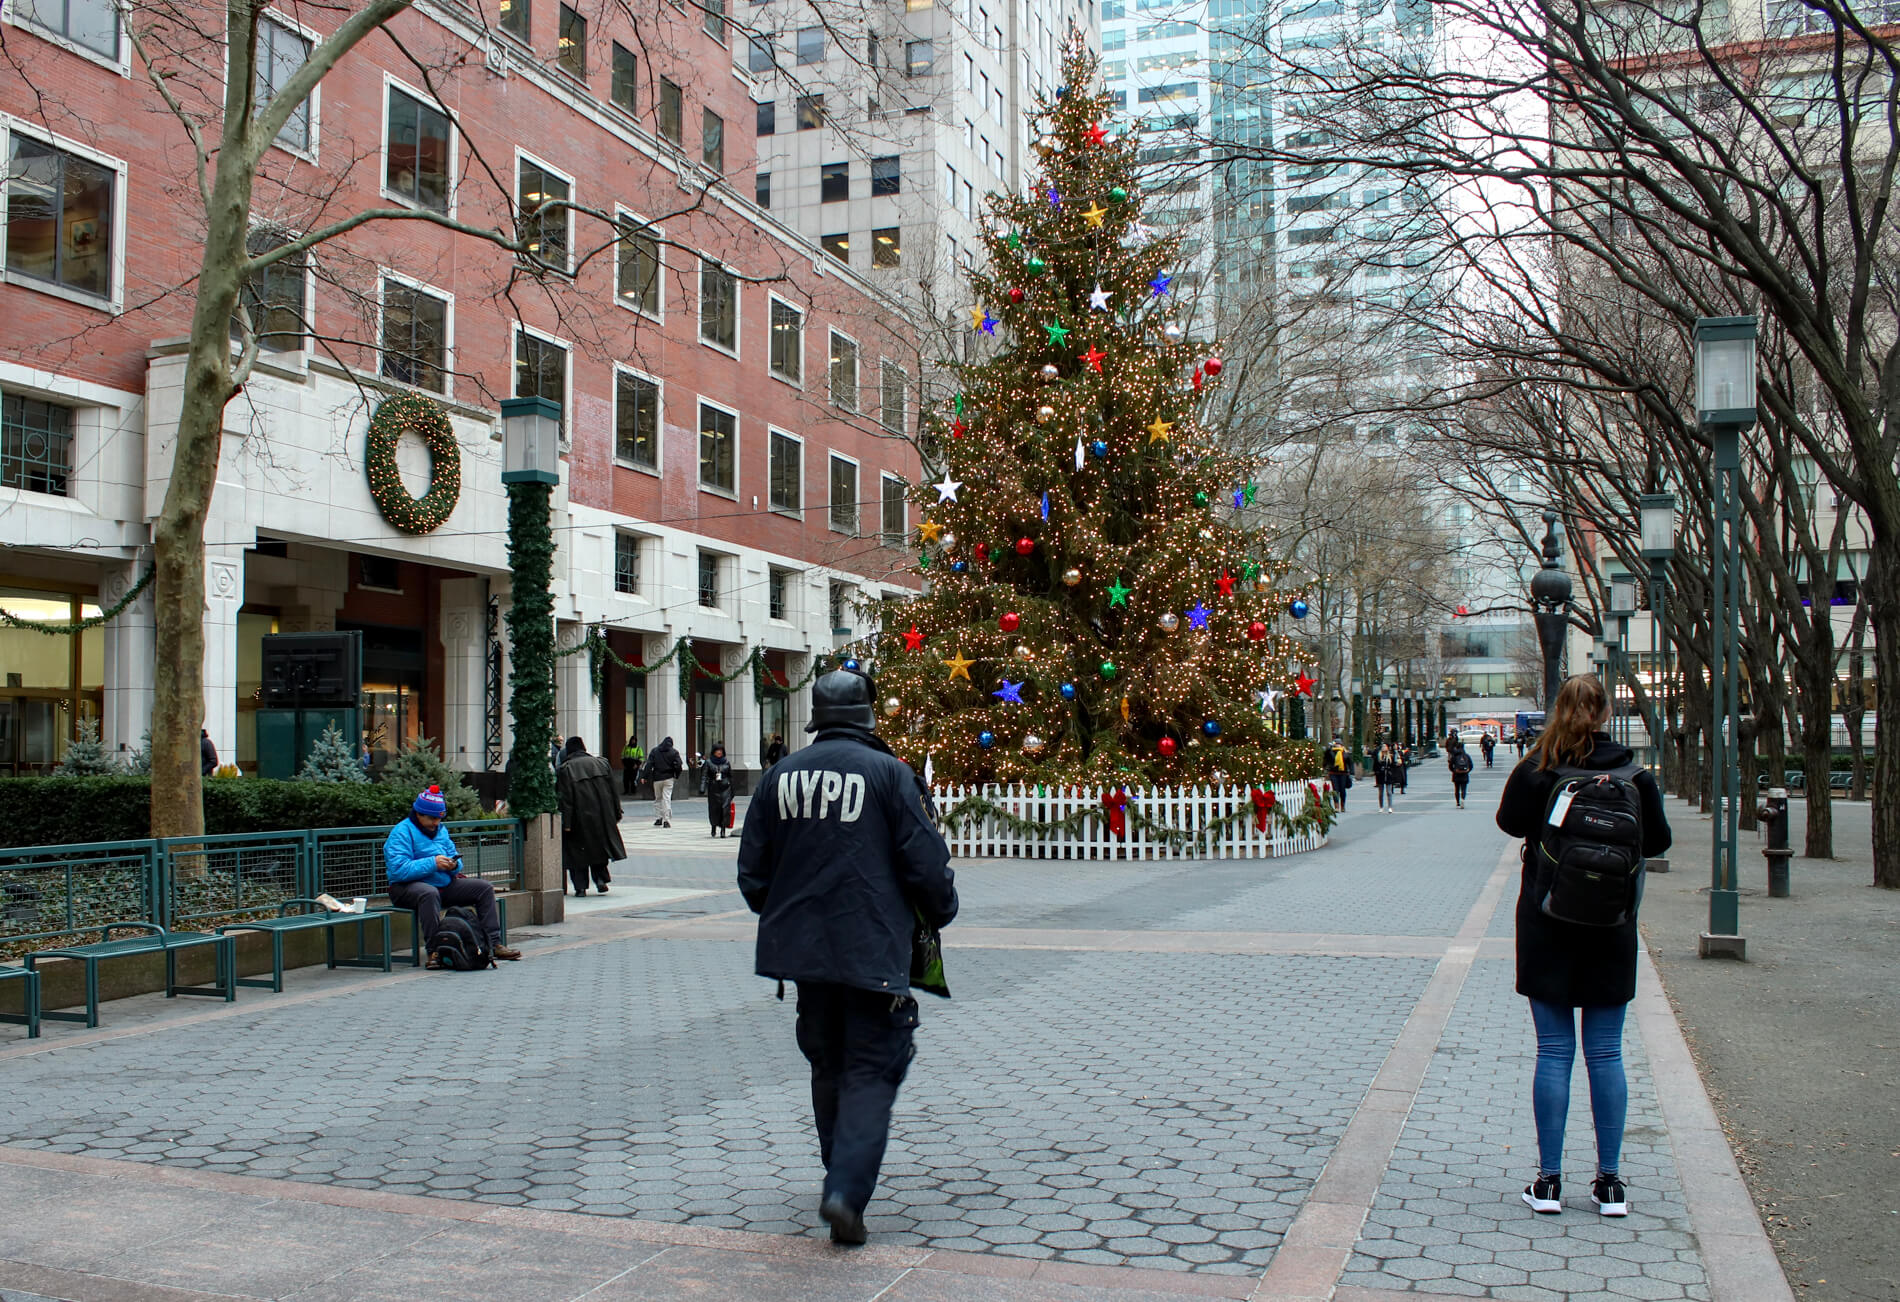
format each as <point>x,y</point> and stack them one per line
<point>420,767</point>
<point>332,759</point>
<point>86,756</point>
<point>1096,612</point>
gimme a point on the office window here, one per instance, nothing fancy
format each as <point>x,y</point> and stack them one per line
<point>545,230</point>
<point>786,475</point>
<point>838,607</point>
<point>886,249</point>
<point>637,277</point>
<point>811,45</point>
<point>886,178</point>
<point>787,348</point>
<point>419,151</point>
<point>762,189</point>
<point>892,384</point>
<point>949,184</point>
<point>896,521</point>
<point>844,372</point>
<point>844,496</point>
<point>838,246</point>
<point>280,52</point>
<point>541,370</point>
<point>273,300</point>
<point>919,56</point>
<point>969,73</point>
<point>999,110</point>
<point>415,336</point>
<point>718,447</point>
<point>765,117</point>
<point>36,445</point>
<point>626,563</point>
<point>834,182</point>
<point>969,201</point>
<point>811,112</point>
<point>636,420</point>
<point>715,19</point>
<point>60,214</point>
<point>712,140</point>
<point>625,76</point>
<point>573,43</point>
<point>718,305</point>
<point>670,111</point>
<point>913,6</point>
<point>758,54</point>
<point>778,587</point>
<point>91,23</point>
<point>709,580</point>
<point>514,18</point>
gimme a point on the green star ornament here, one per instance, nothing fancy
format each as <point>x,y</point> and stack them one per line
<point>1057,332</point>
<point>1117,594</point>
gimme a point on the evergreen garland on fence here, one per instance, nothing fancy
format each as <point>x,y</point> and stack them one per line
<point>1317,816</point>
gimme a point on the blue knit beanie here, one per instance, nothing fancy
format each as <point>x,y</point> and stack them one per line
<point>431,803</point>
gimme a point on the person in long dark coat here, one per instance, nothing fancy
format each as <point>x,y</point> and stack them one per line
<point>590,817</point>
<point>715,779</point>
<point>1569,972</point>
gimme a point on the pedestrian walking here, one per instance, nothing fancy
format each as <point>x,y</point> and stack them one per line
<point>841,860</point>
<point>1405,766</point>
<point>630,761</point>
<point>1576,974</point>
<point>1458,760</point>
<point>1489,745</point>
<point>207,753</point>
<point>554,752</point>
<point>590,817</point>
<point>715,779</point>
<point>774,750</point>
<point>663,767</point>
<point>1385,773</point>
<point>1339,772</point>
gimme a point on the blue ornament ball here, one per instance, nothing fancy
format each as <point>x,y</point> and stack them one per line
<point>1068,691</point>
<point>959,566</point>
<point>986,739</point>
<point>852,664</point>
<point>1297,608</point>
<point>1099,448</point>
<point>1211,727</point>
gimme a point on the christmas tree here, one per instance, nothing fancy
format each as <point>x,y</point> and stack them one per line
<point>86,756</point>
<point>332,759</point>
<point>1096,613</point>
<point>420,767</point>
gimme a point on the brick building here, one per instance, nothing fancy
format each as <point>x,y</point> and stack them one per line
<point>734,402</point>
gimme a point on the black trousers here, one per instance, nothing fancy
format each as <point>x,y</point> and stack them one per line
<point>719,808</point>
<point>429,901</point>
<point>579,876</point>
<point>859,1045</point>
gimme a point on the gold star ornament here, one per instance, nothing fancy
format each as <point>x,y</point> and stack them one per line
<point>1095,212</point>
<point>930,530</point>
<point>976,318</point>
<point>959,668</point>
<point>1158,430</point>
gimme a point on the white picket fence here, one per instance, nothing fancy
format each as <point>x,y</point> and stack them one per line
<point>1185,809</point>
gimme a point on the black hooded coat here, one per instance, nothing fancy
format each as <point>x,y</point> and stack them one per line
<point>590,810</point>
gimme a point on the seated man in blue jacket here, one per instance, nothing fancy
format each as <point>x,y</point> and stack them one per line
<point>425,874</point>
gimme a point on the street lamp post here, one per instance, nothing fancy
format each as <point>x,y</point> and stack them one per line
<point>1357,706</point>
<point>1725,406</point>
<point>1622,606</point>
<point>1550,596</point>
<point>1658,513</point>
<point>531,467</point>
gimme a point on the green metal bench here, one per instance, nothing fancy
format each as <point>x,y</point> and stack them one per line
<point>153,940</point>
<point>29,1014</point>
<point>303,920</point>
<point>415,925</point>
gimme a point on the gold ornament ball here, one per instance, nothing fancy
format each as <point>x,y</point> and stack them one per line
<point>1050,373</point>
<point>1024,653</point>
<point>1071,576</point>
<point>1169,622</point>
<point>1032,744</point>
<point>1045,414</point>
<point>892,706</point>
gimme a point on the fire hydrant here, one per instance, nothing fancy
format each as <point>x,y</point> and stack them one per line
<point>1774,826</point>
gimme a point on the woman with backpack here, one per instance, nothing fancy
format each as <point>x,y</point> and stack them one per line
<point>1458,760</point>
<point>1576,927</point>
<point>1385,772</point>
<point>715,779</point>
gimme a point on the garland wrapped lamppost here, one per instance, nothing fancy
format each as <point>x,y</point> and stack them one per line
<point>531,467</point>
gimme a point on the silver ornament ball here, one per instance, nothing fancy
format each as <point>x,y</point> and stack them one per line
<point>892,706</point>
<point>1032,744</point>
<point>1169,622</point>
<point>1050,373</point>
<point>1045,414</point>
<point>1172,332</point>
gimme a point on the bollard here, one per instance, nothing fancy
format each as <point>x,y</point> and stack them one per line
<point>1774,825</point>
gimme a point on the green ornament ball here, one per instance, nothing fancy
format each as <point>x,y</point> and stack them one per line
<point>1109,671</point>
<point>1036,266</point>
<point>1118,195</point>
<point>1200,498</point>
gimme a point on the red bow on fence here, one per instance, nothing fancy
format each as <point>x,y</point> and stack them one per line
<point>1116,803</point>
<point>1263,802</point>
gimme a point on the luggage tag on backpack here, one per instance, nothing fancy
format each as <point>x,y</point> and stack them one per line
<point>1561,806</point>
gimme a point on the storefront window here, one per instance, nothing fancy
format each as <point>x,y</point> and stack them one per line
<point>46,683</point>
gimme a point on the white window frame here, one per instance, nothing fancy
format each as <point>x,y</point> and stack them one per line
<point>315,38</point>
<point>121,63</point>
<point>738,431</point>
<point>720,561</point>
<point>857,500</point>
<point>645,541</point>
<point>567,383</point>
<point>514,200</point>
<point>789,513</point>
<point>890,364</point>
<point>382,154</point>
<point>699,308</point>
<point>383,276</point>
<point>857,366</point>
<point>659,431</point>
<point>886,477</point>
<point>113,302</point>
<point>306,348</point>
<point>804,318</point>
<point>658,315</point>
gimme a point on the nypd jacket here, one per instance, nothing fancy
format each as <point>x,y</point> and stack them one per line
<point>837,849</point>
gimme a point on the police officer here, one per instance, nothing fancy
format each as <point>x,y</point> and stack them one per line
<point>838,851</point>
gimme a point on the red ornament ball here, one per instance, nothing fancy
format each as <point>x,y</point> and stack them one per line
<point>1024,546</point>
<point>1010,622</point>
<point>1256,630</point>
<point>982,551</point>
<point>1211,366</point>
<point>1016,295</point>
<point>1167,747</point>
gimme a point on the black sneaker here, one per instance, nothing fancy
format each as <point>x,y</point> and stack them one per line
<point>1545,1195</point>
<point>847,1226</point>
<point>658,821</point>
<point>1609,1195</point>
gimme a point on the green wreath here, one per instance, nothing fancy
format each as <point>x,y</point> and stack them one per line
<point>413,414</point>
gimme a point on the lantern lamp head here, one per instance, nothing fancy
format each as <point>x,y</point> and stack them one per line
<point>530,441</point>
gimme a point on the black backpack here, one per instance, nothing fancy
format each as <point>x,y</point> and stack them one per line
<point>1591,847</point>
<point>458,943</point>
<point>1461,762</point>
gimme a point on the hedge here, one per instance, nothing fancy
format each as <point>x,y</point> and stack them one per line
<point>57,811</point>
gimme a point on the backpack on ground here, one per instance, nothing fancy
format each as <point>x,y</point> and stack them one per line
<point>1591,845</point>
<point>458,943</point>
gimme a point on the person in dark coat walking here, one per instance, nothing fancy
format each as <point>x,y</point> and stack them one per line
<point>715,779</point>
<point>207,753</point>
<point>840,859</point>
<point>1458,761</point>
<point>1385,772</point>
<point>590,817</point>
<point>663,768</point>
<point>1569,972</point>
<point>775,750</point>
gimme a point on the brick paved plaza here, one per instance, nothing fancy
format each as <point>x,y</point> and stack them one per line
<point>1296,1079</point>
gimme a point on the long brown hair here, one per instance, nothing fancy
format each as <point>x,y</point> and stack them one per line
<point>1569,734</point>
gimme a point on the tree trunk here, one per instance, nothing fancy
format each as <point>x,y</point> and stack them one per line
<point>1883,593</point>
<point>1853,707</point>
<point>1816,688</point>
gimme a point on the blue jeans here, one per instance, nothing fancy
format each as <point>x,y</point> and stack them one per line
<point>1550,1087</point>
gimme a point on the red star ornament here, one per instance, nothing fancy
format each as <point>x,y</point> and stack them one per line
<point>1303,686</point>
<point>958,429</point>
<point>1094,358</point>
<point>1096,134</point>
<point>1225,583</point>
<point>913,640</point>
